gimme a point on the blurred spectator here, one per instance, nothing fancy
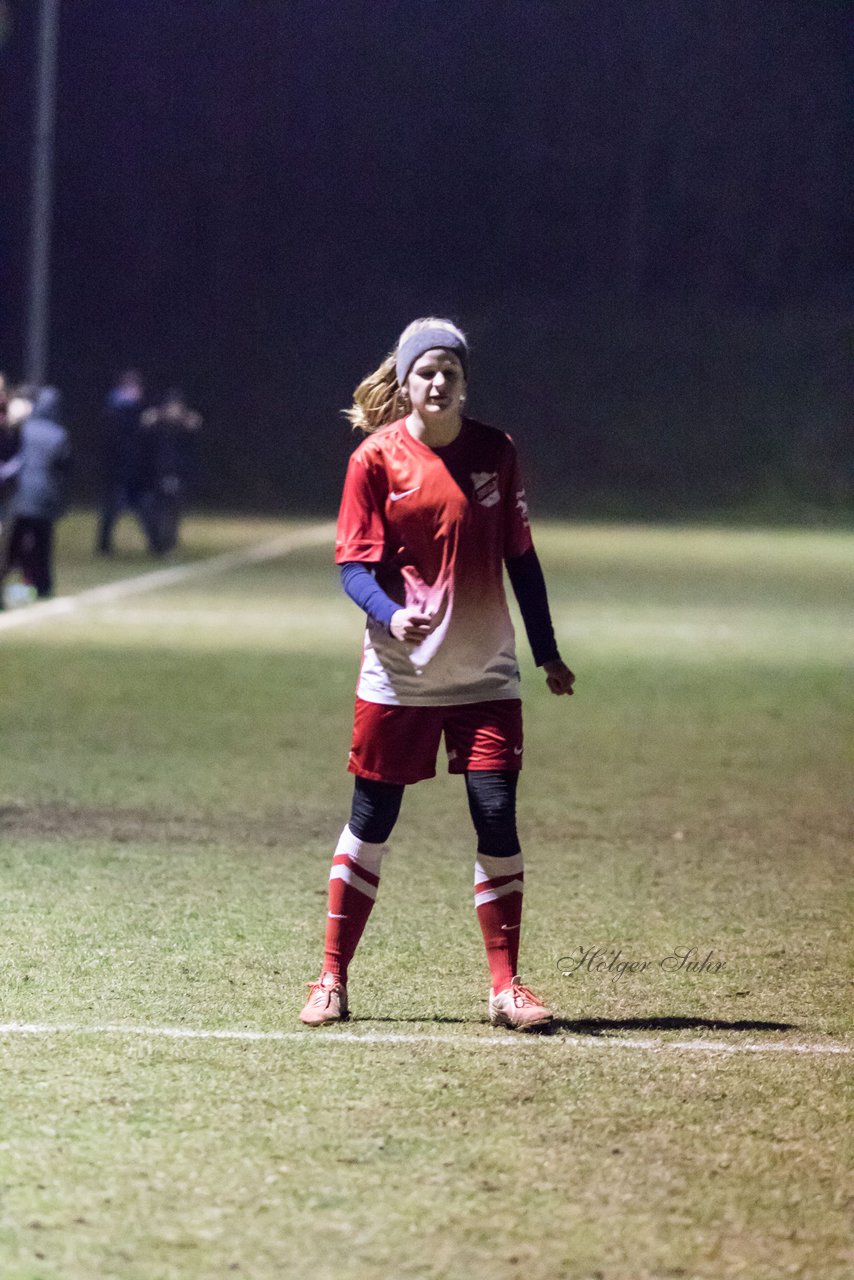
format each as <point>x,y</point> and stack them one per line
<point>170,431</point>
<point>40,470</point>
<point>4,419</point>
<point>8,436</point>
<point>15,405</point>
<point>127,486</point>
<point>21,404</point>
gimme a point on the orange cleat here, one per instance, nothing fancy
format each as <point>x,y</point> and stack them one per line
<point>519,1009</point>
<point>327,1002</point>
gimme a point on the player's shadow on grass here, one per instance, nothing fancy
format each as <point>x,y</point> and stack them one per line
<point>602,1026</point>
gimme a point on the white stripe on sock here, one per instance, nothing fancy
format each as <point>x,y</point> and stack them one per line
<point>340,871</point>
<point>490,895</point>
<point>488,868</point>
<point>369,855</point>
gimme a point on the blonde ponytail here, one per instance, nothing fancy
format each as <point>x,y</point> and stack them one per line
<point>379,399</point>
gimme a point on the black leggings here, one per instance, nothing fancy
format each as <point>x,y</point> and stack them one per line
<point>492,805</point>
<point>28,543</point>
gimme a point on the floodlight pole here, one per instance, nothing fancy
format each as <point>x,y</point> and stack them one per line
<point>38,312</point>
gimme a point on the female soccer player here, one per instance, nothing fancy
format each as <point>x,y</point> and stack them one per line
<point>433,508</point>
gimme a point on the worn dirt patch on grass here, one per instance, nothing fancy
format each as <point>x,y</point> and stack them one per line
<point>126,826</point>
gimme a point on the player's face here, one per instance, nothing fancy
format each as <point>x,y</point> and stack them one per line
<point>436,384</point>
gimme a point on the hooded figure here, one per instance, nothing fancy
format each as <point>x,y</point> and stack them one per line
<point>43,460</point>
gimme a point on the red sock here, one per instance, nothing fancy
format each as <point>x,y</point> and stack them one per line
<point>353,882</point>
<point>498,886</point>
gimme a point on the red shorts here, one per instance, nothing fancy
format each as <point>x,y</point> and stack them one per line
<point>401,744</point>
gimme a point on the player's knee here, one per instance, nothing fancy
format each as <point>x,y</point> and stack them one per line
<point>492,804</point>
<point>375,809</point>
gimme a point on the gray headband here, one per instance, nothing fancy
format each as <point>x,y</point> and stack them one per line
<point>427,340</point>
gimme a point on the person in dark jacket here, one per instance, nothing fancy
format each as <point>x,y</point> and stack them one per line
<point>125,464</point>
<point>170,431</point>
<point>8,439</point>
<point>40,471</point>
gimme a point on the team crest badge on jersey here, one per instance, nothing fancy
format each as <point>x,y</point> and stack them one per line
<point>486,487</point>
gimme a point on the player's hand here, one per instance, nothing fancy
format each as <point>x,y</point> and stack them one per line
<point>410,625</point>
<point>559,678</point>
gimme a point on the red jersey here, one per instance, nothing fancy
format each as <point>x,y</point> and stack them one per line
<point>438,525</point>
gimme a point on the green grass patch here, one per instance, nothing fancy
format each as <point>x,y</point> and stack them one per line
<point>172,784</point>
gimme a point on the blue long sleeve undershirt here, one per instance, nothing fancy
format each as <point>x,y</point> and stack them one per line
<point>361,586</point>
<point>526,579</point>
<point>529,588</point>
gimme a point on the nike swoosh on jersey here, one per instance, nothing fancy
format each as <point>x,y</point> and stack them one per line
<point>517,751</point>
<point>395,497</point>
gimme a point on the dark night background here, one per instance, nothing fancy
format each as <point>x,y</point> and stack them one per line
<point>634,207</point>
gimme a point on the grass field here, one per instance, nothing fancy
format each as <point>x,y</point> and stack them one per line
<point>172,781</point>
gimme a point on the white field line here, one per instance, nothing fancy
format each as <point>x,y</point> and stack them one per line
<point>307,536</point>
<point>330,1037</point>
